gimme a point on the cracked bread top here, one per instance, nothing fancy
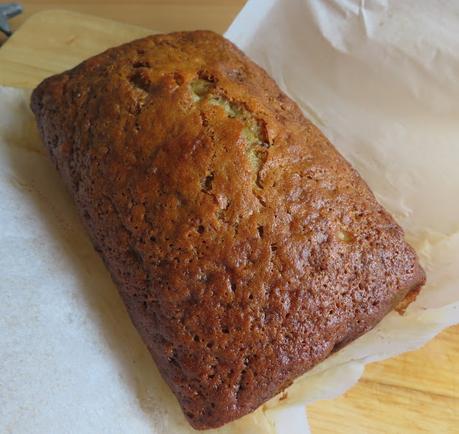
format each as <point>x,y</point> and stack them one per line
<point>244,246</point>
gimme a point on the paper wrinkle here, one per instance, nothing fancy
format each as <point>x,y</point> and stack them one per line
<point>346,24</point>
<point>379,78</point>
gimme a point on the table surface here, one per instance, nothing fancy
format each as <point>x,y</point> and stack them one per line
<point>413,393</point>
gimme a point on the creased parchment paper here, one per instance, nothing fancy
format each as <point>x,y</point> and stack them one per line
<point>379,78</point>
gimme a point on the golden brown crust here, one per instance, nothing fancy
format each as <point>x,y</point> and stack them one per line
<point>244,246</point>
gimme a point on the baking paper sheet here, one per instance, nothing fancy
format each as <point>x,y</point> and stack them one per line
<point>379,78</point>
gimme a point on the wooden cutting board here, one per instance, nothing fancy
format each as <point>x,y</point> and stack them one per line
<point>55,40</point>
<point>414,393</point>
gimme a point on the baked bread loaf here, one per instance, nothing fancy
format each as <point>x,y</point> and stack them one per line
<point>245,248</point>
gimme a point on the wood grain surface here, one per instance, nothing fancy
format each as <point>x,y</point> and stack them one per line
<point>161,15</point>
<point>417,392</point>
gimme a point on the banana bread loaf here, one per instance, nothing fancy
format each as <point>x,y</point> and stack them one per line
<point>245,248</point>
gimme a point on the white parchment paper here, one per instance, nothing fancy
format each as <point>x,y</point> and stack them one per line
<point>379,78</point>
